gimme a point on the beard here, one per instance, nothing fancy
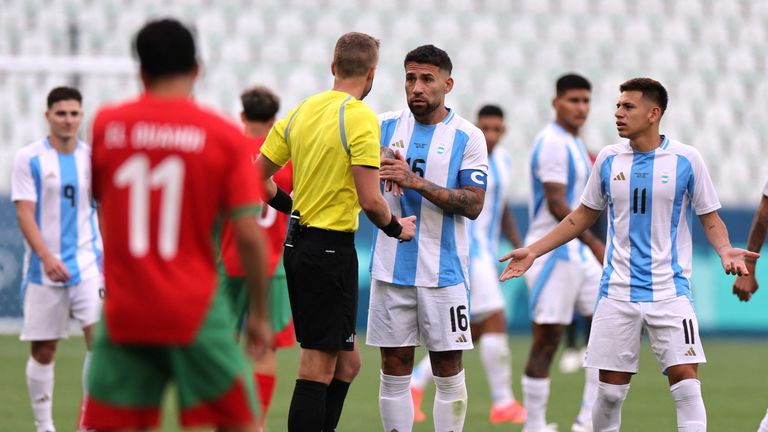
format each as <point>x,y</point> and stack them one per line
<point>429,108</point>
<point>367,89</point>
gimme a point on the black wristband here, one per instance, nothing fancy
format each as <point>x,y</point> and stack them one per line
<point>281,202</point>
<point>393,229</point>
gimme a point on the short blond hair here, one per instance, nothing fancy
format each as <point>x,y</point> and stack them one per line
<point>355,54</point>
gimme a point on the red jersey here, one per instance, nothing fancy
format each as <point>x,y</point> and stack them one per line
<point>274,223</point>
<point>164,171</point>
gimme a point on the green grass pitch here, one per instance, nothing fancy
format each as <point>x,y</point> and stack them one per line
<point>734,385</point>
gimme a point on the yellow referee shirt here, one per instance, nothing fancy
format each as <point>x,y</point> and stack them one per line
<point>324,136</point>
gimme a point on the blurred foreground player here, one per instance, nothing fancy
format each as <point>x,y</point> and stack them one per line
<point>651,184</point>
<point>164,172</point>
<point>63,270</point>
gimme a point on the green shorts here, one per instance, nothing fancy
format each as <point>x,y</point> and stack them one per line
<point>236,292</point>
<point>214,384</point>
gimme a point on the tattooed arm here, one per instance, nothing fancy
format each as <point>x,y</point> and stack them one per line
<point>467,201</point>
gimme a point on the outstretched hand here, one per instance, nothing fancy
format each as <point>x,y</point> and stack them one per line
<point>520,260</point>
<point>733,261</point>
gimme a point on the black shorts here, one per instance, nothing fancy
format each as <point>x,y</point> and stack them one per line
<point>321,271</point>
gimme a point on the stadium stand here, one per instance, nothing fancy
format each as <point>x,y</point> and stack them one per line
<point>712,55</point>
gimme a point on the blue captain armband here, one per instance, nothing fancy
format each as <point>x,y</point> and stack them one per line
<point>475,178</point>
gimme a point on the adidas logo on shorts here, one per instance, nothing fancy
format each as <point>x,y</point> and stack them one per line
<point>462,339</point>
<point>690,352</point>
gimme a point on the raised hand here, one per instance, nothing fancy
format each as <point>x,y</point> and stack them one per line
<point>398,171</point>
<point>389,185</point>
<point>520,261</point>
<point>733,260</point>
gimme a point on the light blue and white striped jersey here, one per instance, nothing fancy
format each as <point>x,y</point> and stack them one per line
<point>451,154</point>
<point>557,157</point>
<point>651,198</point>
<point>60,185</point>
<point>485,231</point>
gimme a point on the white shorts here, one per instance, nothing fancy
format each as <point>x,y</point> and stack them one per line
<point>558,287</point>
<point>485,295</point>
<point>47,308</point>
<point>617,329</point>
<point>402,316</point>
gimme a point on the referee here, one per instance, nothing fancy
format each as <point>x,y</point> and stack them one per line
<point>333,140</point>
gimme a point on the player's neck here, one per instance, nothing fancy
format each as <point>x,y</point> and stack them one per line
<point>568,128</point>
<point>175,87</point>
<point>352,86</point>
<point>62,145</point>
<point>257,129</point>
<point>646,142</point>
<point>434,117</point>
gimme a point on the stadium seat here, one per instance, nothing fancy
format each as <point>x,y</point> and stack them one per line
<point>726,9</point>
<point>484,29</point>
<point>611,8</point>
<point>713,33</point>
<point>636,32</point>
<point>559,30</point>
<point>687,8</point>
<point>575,7</point>
<point>599,31</point>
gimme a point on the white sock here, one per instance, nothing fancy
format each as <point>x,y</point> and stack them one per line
<point>86,366</point>
<point>40,385</point>
<point>591,378</point>
<point>606,414</point>
<point>535,396</point>
<point>494,353</point>
<point>691,414</point>
<point>764,423</point>
<point>395,403</point>
<point>450,406</point>
<point>422,373</point>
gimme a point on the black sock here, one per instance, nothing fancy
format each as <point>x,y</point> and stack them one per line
<point>334,402</point>
<point>307,406</point>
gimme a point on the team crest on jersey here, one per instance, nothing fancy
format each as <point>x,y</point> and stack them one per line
<point>441,149</point>
<point>664,178</point>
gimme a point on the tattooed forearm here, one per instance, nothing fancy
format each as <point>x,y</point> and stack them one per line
<point>570,221</point>
<point>467,202</point>
<point>387,153</point>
